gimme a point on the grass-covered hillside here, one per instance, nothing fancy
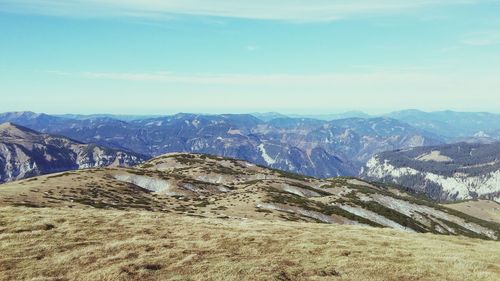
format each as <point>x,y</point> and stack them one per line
<point>96,244</point>
<point>199,217</point>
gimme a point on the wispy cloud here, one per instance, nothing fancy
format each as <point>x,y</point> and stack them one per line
<point>485,38</point>
<point>371,81</point>
<point>253,79</point>
<point>394,89</point>
<point>252,48</point>
<point>285,10</point>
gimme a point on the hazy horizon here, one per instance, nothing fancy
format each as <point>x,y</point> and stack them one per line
<point>290,113</point>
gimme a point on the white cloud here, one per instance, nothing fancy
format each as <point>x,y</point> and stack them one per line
<point>252,48</point>
<point>278,79</point>
<point>485,38</point>
<point>159,91</point>
<point>286,10</point>
<point>478,41</point>
<point>416,82</point>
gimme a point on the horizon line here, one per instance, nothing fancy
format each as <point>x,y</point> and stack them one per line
<point>368,113</point>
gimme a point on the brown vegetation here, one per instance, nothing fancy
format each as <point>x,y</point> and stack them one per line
<point>93,244</point>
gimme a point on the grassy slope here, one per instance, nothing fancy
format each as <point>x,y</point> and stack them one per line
<point>483,209</point>
<point>96,244</point>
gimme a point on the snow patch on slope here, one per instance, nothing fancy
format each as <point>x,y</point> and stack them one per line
<point>152,184</point>
<point>434,155</point>
<point>414,211</point>
<point>269,160</point>
<point>374,217</point>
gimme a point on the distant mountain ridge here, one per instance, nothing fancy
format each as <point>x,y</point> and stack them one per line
<point>343,147</point>
<point>302,145</point>
<point>451,124</point>
<point>25,153</point>
<point>448,172</point>
<point>454,126</point>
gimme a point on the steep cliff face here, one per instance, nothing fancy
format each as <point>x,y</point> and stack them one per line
<point>446,173</point>
<point>25,153</point>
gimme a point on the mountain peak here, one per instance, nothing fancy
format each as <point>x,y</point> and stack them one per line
<point>9,129</point>
<point>6,125</point>
<point>21,114</point>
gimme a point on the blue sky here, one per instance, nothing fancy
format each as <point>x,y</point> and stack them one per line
<point>294,56</point>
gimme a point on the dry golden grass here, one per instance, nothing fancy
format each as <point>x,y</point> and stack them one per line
<point>482,209</point>
<point>92,244</point>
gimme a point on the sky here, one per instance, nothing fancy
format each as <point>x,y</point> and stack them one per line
<point>234,56</point>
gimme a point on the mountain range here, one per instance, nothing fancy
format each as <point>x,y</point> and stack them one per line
<point>302,145</point>
<point>209,186</point>
<point>364,147</point>
<point>26,153</point>
<point>450,172</point>
<point>189,216</point>
<point>454,126</point>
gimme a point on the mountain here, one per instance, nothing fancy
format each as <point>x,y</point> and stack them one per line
<point>353,141</point>
<point>25,153</point>
<point>302,145</point>
<point>267,116</point>
<point>329,117</point>
<point>35,121</point>
<point>200,217</point>
<point>448,172</point>
<point>113,116</point>
<point>496,134</point>
<point>209,186</point>
<point>451,124</point>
